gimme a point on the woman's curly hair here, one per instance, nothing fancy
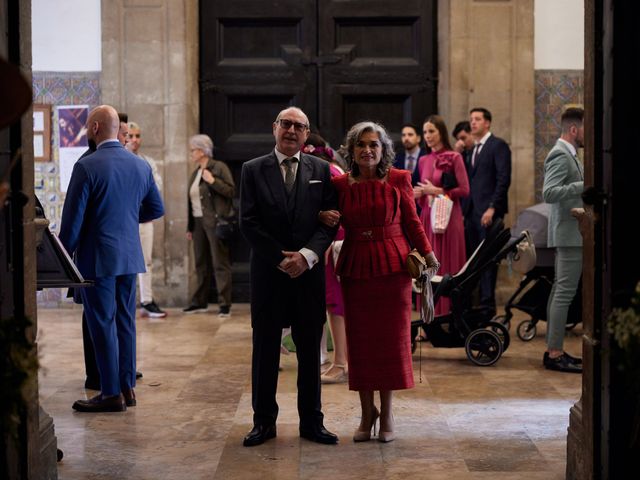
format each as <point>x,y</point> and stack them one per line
<point>354,134</point>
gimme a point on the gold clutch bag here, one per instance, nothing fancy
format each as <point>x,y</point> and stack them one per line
<point>416,264</point>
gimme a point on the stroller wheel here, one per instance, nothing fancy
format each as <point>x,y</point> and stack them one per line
<point>503,333</point>
<point>483,347</point>
<point>526,330</point>
<point>504,320</point>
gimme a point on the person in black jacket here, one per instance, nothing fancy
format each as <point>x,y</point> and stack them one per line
<point>281,195</point>
<point>489,180</point>
<point>210,202</point>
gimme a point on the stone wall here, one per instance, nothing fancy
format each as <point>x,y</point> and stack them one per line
<point>150,71</point>
<point>486,60</point>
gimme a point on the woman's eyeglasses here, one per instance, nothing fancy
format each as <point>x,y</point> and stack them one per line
<point>297,126</point>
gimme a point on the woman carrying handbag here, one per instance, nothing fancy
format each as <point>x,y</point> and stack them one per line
<point>210,202</point>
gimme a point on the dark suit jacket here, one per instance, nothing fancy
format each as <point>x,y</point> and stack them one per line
<point>400,163</point>
<point>271,224</point>
<point>110,192</point>
<point>489,179</point>
<point>216,199</point>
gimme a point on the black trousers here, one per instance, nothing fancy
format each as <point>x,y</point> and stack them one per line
<point>264,369</point>
<point>475,234</point>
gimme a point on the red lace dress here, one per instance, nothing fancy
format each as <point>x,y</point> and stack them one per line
<point>450,245</point>
<point>380,222</point>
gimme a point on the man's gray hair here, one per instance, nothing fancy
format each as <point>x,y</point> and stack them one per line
<point>134,126</point>
<point>203,142</point>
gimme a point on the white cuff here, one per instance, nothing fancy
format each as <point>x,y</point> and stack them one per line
<point>310,256</point>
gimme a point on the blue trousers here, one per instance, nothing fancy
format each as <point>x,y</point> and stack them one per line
<point>110,307</point>
<point>568,271</point>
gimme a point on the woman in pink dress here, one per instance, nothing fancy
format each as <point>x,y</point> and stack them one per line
<point>442,172</point>
<point>336,372</point>
<point>378,213</point>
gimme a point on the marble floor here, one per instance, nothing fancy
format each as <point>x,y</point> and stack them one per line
<point>508,421</point>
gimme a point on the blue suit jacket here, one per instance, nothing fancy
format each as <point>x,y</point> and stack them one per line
<point>400,163</point>
<point>489,179</point>
<point>110,192</point>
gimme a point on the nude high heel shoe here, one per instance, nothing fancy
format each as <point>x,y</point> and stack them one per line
<point>387,436</point>
<point>365,435</point>
<point>339,377</point>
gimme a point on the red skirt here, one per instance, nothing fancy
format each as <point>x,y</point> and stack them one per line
<point>378,326</point>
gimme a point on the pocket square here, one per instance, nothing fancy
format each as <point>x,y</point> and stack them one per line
<point>315,181</point>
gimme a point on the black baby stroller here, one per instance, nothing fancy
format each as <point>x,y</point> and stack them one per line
<point>532,294</point>
<point>473,328</point>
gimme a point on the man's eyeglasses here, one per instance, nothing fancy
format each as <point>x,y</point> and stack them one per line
<point>298,127</point>
<point>134,135</point>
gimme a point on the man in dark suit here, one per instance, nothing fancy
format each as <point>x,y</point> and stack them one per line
<point>109,193</point>
<point>489,180</point>
<point>407,158</point>
<point>280,198</point>
<point>464,146</point>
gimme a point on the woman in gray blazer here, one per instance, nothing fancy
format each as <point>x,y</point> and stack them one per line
<point>211,191</point>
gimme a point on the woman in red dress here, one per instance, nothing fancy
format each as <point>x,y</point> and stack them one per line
<point>378,213</point>
<point>442,172</point>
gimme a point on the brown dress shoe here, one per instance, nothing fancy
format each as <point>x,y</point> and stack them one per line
<point>129,397</point>
<point>99,403</point>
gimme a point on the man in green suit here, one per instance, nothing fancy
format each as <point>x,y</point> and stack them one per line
<point>563,185</point>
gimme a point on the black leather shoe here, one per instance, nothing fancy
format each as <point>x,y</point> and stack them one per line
<point>259,434</point>
<point>138,375</point>
<point>560,364</point>
<point>113,403</point>
<point>129,397</point>
<point>572,359</point>
<point>319,434</point>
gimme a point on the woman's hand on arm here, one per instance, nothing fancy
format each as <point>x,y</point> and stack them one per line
<point>330,218</point>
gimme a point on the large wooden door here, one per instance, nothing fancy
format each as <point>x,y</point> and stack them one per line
<point>377,61</point>
<point>339,61</point>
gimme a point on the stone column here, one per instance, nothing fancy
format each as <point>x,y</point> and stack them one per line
<point>150,71</point>
<point>486,60</point>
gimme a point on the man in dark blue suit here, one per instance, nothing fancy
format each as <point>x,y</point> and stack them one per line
<point>489,180</point>
<point>407,158</point>
<point>280,197</point>
<point>110,192</point>
<point>464,146</point>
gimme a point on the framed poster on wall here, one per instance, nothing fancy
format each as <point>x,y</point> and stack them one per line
<point>41,132</point>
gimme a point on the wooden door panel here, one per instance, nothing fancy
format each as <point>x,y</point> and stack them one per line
<point>384,67</point>
<point>340,61</point>
<point>251,67</point>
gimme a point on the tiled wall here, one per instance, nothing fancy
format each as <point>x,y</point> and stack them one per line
<point>58,88</point>
<point>554,90</point>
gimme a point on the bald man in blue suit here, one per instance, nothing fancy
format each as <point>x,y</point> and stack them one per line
<point>110,192</point>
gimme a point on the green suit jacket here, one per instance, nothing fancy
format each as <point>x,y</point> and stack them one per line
<point>562,188</point>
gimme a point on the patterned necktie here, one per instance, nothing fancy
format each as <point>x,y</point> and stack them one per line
<point>411,163</point>
<point>289,176</point>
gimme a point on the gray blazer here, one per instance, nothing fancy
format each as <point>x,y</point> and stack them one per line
<point>562,188</point>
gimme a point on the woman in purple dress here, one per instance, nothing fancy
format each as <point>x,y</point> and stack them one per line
<point>442,172</point>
